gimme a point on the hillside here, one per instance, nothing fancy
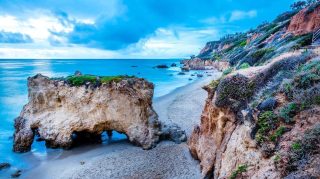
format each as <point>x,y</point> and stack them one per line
<point>262,117</point>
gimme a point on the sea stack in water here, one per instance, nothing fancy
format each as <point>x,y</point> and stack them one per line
<point>58,109</point>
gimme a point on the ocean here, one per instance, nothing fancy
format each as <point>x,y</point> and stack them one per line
<point>14,94</point>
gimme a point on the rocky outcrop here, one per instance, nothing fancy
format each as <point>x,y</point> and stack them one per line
<point>224,141</point>
<point>203,64</point>
<point>197,64</point>
<point>209,48</point>
<point>59,112</point>
<point>307,20</point>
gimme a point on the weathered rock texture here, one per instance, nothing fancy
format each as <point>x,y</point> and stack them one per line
<point>56,111</point>
<point>307,20</point>
<point>223,140</point>
<point>204,64</point>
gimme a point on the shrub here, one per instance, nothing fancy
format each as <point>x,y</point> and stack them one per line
<point>305,40</point>
<point>234,91</point>
<point>80,80</point>
<point>107,79</point>
<point>308,75</point>
<point>241,169</point>
<point>298,5</point>
<point>288,112</point>
<point>75,80</point>
<point>285,16</point>
<point>287,88</point>
<point>216,57</point>
<point>278,133</point>
<point>243,43</point>
<point>214,84</point>
<point>313,6</point>
<point>296,146</point>
<point>266,122</point>
<point>227,71</point>
<point>306,80</point>
<point>301,150</point>
<point>262,52</point>
<point>244,66</point>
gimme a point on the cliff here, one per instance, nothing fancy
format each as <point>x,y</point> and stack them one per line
<point>288,32</point>
<point>233,132</point>
<point>62,111</point>
<point>261,118</point>
<point>306,21</point>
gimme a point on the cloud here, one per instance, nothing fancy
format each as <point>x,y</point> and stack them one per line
<point>11,37</point>
<point>173,42</point>
<point>138,20</point>
<point>126,28</point>
<point>239,15</point>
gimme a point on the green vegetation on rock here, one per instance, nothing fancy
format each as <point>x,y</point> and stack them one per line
<point>302,150</point>
<point>288,112</point>
<point>278,133</point>
<point>78,80</point>
<point>227,71</point>
<point>240,169</point>
<point>244,66</point>
<point>260,53</point>
<point>266,121</point>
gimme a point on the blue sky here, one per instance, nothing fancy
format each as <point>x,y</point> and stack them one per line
<point>124,28</point>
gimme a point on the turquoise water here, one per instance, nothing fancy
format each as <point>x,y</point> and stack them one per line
<point>13,94</point>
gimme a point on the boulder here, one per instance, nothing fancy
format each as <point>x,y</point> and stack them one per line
<point>4,165</point>
<point>268,104</point>
<point>59,112</point>
<point>174,133</point>
<point>162,66</point>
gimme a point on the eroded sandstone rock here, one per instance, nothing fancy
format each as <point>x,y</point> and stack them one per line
<point>307,20</point>
<point>222,142</point>
<point>57,110</point>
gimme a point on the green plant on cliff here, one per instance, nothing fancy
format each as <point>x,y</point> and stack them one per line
<point>288,112</point>
<point>227,71</point>
<point>244,66</point>
<point>303,149</point>
<point>78,80</point>
<point>266,122</point>
<point>214,84</point>
<point>217,57</point>
<point>309,74</point>
<point>277,134</point>
<point>107,79</point>
<point>243,43</point>
<point>262,52</point>
<point>240,169</point>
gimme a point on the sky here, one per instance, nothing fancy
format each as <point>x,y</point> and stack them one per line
<point>52,29</point>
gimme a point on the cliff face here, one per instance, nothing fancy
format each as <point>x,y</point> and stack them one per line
<point>59,112</point>
<point>201,64</point>
<point>289,31</point>
<point>237,139</point>
<point>210,48</point>
<point>307,20</point>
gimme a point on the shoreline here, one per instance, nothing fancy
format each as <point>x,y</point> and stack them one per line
<point>121,159</point>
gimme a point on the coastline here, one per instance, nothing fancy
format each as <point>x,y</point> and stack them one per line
<point>120,159</point>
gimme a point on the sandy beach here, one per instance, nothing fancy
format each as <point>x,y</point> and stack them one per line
<point>121,159</point>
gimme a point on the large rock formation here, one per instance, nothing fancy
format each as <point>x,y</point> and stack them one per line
<point>307,20</point>
<point>204,64</point>
<point>59,112</point>
<point>224,141</point>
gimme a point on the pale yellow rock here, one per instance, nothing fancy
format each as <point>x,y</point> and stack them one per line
<point>57,110</point>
